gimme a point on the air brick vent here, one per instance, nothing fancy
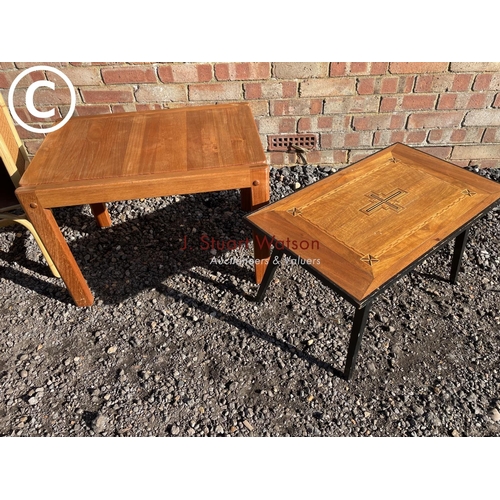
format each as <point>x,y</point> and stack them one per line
<point>285,142</point>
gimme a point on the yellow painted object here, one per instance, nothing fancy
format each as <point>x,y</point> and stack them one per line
<point>14,158</point>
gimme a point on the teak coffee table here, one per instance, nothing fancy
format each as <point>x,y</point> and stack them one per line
<point>113,157</point>
<point>363,228</point>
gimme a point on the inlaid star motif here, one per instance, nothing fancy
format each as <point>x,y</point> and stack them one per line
<point>370,259</point>
<point>468,192</point>
<point>294,211</point>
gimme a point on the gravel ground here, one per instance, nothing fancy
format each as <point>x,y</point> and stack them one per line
<point>174,347</point>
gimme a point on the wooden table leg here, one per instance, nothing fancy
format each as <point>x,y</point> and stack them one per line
<point>253,198</point>
<point>46,226</point>
<point>101,214</point>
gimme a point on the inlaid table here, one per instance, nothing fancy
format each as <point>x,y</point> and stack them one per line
<point>363,228</point>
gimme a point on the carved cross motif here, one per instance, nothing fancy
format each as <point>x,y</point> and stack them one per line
<point>384,201</point>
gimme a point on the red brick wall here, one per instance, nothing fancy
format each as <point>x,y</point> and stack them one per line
<point>448,109</point>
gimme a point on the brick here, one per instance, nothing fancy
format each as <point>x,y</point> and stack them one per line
<point>389,85</point>
<point>352,104</point>
<point>336,122</point>
<point>447,101</point>
<point>147,107</point>
<point>378,122</point>
<point>123,108</point>
<point>185,73</point>
<point>487,82</point>
<point>78,76</point>
<point>92,109</point>
<point>442,152</point>
<point>359,68</point>
<point>44,96</point>
<point>4,81</point>
<point>366,86</point>
<point>161,93</point>
<point>357,155</point>
<point>351,139</point>
<point>388,137</point>
<point>483,117</point>
<point>466,135</point>
<point>216,91</point>
<point>292,70</point>
<point>7,77</point>
<point>26,117</point>
<point>462,82</point>
<point>338,68</point>
<point>441,119</point>
<point>32,146</point>
<point>259,108</point>
<point>128,75</point>
<point>340,157</point>
<point>455,136</point>
<point>416,136</point>
<point>474,66</point>
<point>485,163</point>
<point>417,67</point>
<point>270,90</point>
<point>491,135</point>
<point>243,71</point>
<point>296,107</point>
<point>324,122</point>
<point>328,87</point>
<point>7,65</point>
<point>80,64</point>
<point>24,65</point>
<point>434,83</point>
<point>276,125</point>
<point>276,159</point>
<point>378,68</point>
<point>496,102</point>
<point>482,82</point>
<point>419,102</point>
<point>476,151</point>
<point>388,104</point>
<point>107,96</point>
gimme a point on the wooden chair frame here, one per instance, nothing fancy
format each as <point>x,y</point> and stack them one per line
<point>15,159</point>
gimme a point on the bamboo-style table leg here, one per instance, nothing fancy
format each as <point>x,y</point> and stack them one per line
<point>46,226</point>
<point>253,198</point>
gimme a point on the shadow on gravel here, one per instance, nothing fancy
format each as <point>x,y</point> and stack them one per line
<point>139,253</point>
<point>251,330</point>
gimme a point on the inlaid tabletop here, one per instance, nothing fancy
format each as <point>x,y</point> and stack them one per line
<point>365,224</point>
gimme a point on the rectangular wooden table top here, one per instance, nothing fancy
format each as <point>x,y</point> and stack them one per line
<point>170,141</point>
<point>367,223</point>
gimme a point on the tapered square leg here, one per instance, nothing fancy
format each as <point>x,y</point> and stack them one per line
<point>358,327</point>
<point>46,226</point>
<point>253,198</point>
<point>458,252</point>
<point>101,214</point>
<point>268,275</point>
